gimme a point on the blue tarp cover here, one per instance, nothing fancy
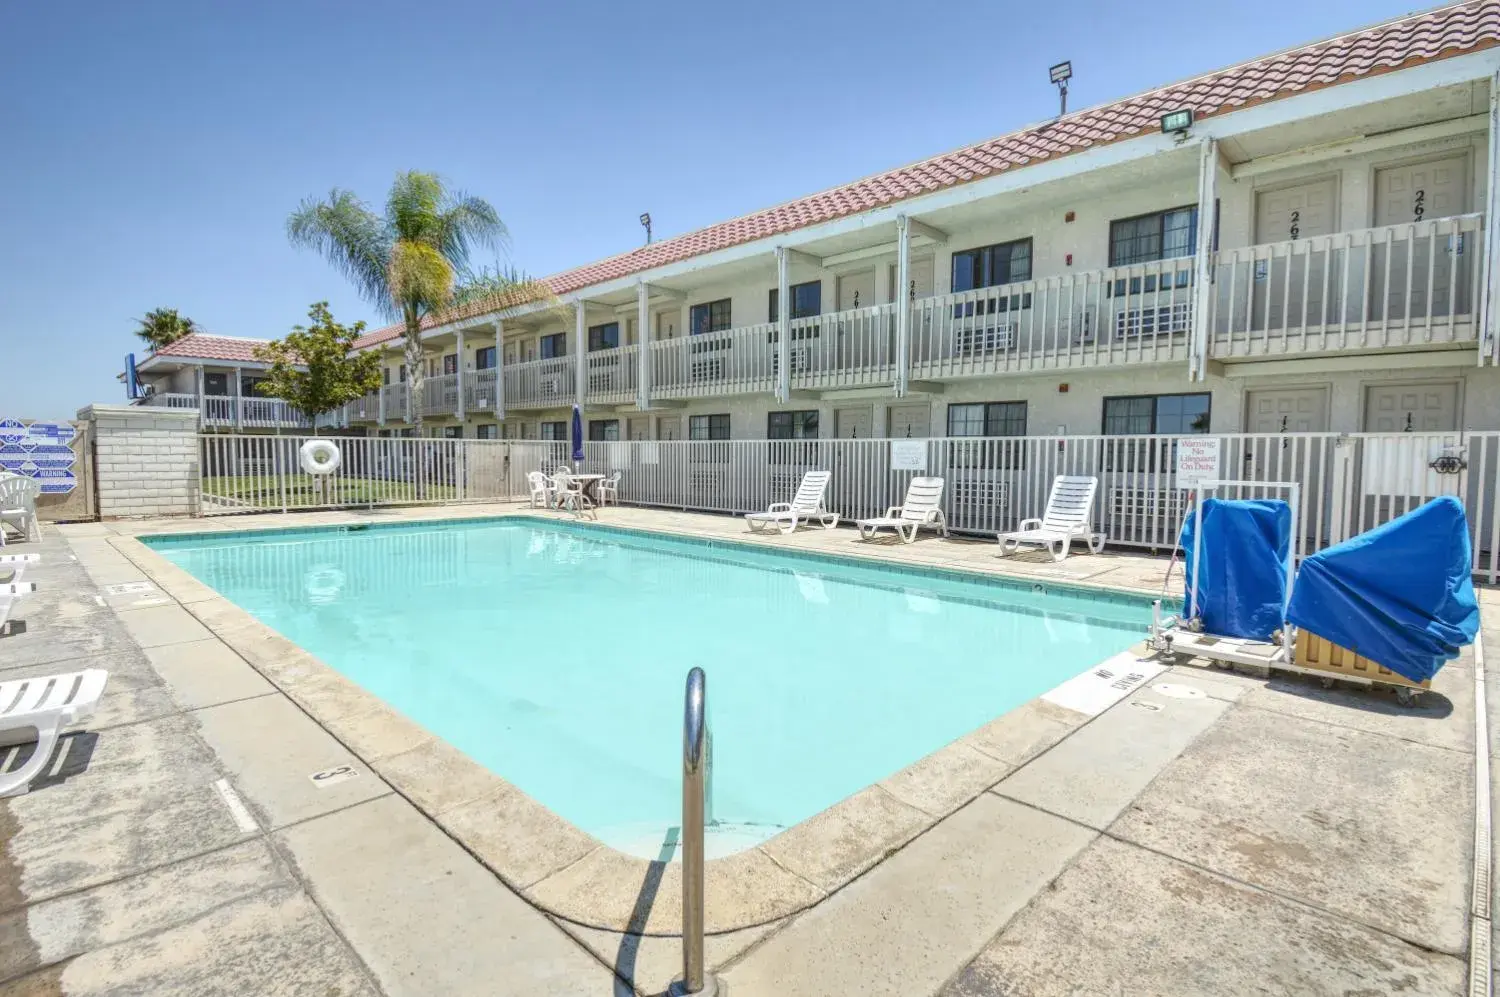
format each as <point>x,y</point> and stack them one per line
<point>1400,594</point>
<point>1242,566</point>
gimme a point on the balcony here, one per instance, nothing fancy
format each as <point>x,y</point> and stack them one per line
<point>541,383</point>
<point>228,412</point>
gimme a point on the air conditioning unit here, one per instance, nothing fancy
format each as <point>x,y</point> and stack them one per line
<point>991,337</point>
<point>551,384</point>
<point>1153,321</point>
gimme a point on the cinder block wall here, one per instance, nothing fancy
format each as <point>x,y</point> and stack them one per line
<point>146,460</point>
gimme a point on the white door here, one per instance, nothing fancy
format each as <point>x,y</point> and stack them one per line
<point>638,427</point>
<point>919,283</point>
<point>856,290</point>
<point>1420,192</point>
<point>910,422</point>
<point>1292,214</point>
<point>1287,410</point>
<point>1415,408</point>
<point>668,427</point>
<point>854,423</point>
<point>667,324</point>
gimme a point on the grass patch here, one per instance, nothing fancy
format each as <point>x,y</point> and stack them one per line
<point>265,490</point>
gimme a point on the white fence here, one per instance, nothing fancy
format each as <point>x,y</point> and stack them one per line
<point>1350,483</point>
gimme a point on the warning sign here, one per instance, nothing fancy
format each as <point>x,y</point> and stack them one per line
<point>1197,461</point>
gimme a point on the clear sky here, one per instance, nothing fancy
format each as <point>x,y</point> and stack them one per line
<point>150,151</point>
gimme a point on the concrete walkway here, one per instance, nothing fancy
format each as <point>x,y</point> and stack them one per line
<point>1214,833</point>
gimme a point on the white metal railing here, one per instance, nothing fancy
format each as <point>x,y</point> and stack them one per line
<point>220,410</point>
<point>1135,314</point>
<point>395,401</point>
<point>1413,284</point>
<point>842,349</point>
<point>611,374</point>
<point>546,383</point>
<point>731,361</point>
<point>479,390</point>
<point>440,394</point>
<point>1349,483</point>
<point>245,473</point>
<point>166,399</point>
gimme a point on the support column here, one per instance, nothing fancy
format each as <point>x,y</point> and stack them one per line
<point>499,371</point>
<point>380,395</point>
<point>783,328</point>
<point>1203,260</point>
<point>643,346</point>
<point>239,401</point>
<point>458,370</point>
<point>1489,340</point>
<point>903,303</point>
<point>198,390</point>
<point>581,342</point>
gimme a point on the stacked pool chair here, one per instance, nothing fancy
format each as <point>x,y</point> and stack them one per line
<point>1390,606</point>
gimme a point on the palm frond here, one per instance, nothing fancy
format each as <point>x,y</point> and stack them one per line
<point>466,222</point>
<point>351,237</point>
<point>413,206</point>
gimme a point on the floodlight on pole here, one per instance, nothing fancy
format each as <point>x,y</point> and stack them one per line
<point>1060,74</point>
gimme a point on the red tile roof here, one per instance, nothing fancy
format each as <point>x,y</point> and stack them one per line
<point>202,346</point>
<point>1398,44</point>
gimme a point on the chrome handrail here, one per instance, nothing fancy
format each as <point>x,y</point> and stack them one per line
<point>695,765</point>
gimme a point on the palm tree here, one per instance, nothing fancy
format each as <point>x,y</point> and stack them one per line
<point>407,261</point>
<point>163,326</point>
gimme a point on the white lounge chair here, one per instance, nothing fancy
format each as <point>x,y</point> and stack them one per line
<point>920,509</point>
<point>1070,508</point>
<point>37,710</point>
<point>18,505</point>
<point>805,507</point>
<point>13,566</point>
<point>10,594</point>
<point>568,495</point>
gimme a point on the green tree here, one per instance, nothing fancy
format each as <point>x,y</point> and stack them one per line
<point>408,261</point>
<point>163,326</point>
<point>315,368</point>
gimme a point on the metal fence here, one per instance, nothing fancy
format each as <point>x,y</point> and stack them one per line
<point>1349,482</point>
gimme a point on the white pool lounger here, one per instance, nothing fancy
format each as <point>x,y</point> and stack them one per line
<point>37,709</point>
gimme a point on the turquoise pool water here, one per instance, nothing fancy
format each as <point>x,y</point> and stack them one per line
<point>556,654</point>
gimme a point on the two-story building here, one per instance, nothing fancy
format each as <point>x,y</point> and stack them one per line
<point>1297,243</point>
<point>220,377</point>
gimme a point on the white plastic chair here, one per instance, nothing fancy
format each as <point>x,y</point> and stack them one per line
<point>608,490</point>
<point>568,495</point>
<point>541,490</point>
<point>1070,508</point>
<point>920,509</point>
<point>37,709</point>
<point>805,506</point>
<point>18,505</point>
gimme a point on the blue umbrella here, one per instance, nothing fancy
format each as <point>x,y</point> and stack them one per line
<point>577,433</point>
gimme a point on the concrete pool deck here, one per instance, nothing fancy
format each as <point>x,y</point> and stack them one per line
<point>1262,833</point>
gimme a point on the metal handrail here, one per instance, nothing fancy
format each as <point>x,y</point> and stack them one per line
<point>695,764</point>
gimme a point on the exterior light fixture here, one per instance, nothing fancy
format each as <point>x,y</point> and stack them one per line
<point>1177,122</point>
<point>1060,74</point>
<point>646,222</point>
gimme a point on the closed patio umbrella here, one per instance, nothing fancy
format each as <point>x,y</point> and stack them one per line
<point>577,433</point>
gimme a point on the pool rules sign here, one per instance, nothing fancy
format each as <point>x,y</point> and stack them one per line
<point>1197,461</point>
<point>39,450</point>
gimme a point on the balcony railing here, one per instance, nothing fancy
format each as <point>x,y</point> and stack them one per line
<point>1398,286</point>
<point>1414,284</point>
<point>220,411</point>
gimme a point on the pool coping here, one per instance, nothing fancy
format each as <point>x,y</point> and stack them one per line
<point>569,874</point>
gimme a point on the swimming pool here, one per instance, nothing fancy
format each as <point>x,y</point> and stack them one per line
<point>554,654</point>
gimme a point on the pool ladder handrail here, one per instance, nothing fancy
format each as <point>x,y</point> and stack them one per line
<point>695,764</point>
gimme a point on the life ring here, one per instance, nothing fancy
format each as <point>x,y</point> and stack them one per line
<point>320,457</point>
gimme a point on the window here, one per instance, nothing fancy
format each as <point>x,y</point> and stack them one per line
<point>1143,414</point>
<point>555,345</point>
<point>484,358</point>
<point>712,316</point>
<point>485,431</point>
<point>401,374</point>
<point>1162,235</point>
<point>453,432</point>
<point>801,425</point>
<point>450,363</point>
<point>250,386</point>
<point>987,419</point>
<point>385,375</point>
<point>554,431</point>
<point>216,384</point>
<point>807,299</point>
<point>709,427</point>
<point>990,266</point>
<point>604,430</point>
<point>604,337</point>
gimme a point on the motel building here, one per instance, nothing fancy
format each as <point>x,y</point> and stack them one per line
<point>1296,244</point>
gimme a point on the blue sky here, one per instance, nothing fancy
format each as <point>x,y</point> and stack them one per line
<point>150,151</point>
